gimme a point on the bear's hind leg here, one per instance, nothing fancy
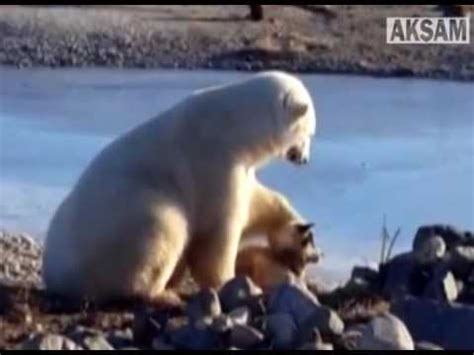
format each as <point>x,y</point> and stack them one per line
<point>165,256</point>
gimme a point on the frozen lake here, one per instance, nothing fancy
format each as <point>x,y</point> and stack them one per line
<point>395,147</point>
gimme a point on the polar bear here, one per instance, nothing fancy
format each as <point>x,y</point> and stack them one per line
<point>180,190</point>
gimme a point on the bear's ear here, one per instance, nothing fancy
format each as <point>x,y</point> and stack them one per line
<point>294,106</point>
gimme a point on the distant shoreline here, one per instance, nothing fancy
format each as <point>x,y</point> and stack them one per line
<point>333,41</point>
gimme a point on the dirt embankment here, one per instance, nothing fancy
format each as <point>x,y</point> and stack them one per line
<point>305,38</point>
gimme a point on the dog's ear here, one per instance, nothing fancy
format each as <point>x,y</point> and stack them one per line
<point>294,106</point>
<point>304,228</point>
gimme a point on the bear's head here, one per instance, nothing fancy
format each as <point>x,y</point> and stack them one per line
<point>295,120</point>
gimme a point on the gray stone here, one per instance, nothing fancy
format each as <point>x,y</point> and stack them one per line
<point>245,337</point>
<point>240,315</point>
<point>448,325</point>
<point>222,323</point>
<point>401,277</point>
<point>365,277</point>
<point>462,261</point>
<point>325,320</point>
<point>203,304</point>
<point>451,236</point>
<point>424,345</point>
<point>317,346</point>
<point>190,337</point>
<point>120,338</point>
<point>236,293</point>
<point>281,329</point>
<point>430,250</point>
<point>442,287</point>
<point>385,332</point>
<point>96,342</point>
<point>299,302</point>
<point>146,325</point>
<point>49,342</point>
<point>159,344</point>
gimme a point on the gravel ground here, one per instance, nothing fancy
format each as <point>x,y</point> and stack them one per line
<point>299,38</point>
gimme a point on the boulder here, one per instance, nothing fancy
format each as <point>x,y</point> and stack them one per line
<point>401,276</point>
<point>448,325</point>
<point>442,286</point>
<point>451,236</point>
<point>325,320</point>
<point>461,261</point>
<point>281,329</point>
<point>425,345</point>
<point>245,337</point>
<point>120,339</point>
<point>204,304</point>
<point>194,337</point>
<point>237,292</point>
<point>90,338</point>
<point>293,300</point>
<point>96,342</point>
<point>429,250</point>
<point>240,315</point>
<point>365,276</point>
<point>49,342</point>
<point>385,332</point>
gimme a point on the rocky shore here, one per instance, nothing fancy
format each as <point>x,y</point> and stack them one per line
<point>346,39</point>
<point>421,299</point>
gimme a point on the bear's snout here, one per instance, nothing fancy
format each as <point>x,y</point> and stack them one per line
<point>296,156</point>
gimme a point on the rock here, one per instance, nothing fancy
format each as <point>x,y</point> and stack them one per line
<point>424,345</point>
<point>467,291</point>
<point>147,323</point>
<point>365,277</point>
<point>449,325</point>
<point>176,323</point>
<point>294,300</point>
<point>316,346</point>
<point>245,337</point>
<point>281,329</point>
<point>237,292</point>
<point>240,315</point>
<point>385,332</point>
<point>442,287</point>
<point>97,342</point>
<point>21,260</point>
<point>190,337</point>
<point>256,305</point>
<point>120,339</point>
<point>325,320</point>
<point>222,323</point>
<point>461,261</point>
<point>401,277</point>
<point>429,250</point>
<point>159,344</point>
<point>49,342</point>
<point>204,304</point>
<point>451,236</point>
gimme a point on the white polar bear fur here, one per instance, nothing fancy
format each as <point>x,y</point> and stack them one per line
<point>179,190</point>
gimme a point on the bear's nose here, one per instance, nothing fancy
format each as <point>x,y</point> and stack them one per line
<point>294,155</point>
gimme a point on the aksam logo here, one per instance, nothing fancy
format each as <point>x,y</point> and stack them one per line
<point>428,30</point>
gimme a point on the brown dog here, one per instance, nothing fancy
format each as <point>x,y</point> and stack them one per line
<point>268,266</point>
